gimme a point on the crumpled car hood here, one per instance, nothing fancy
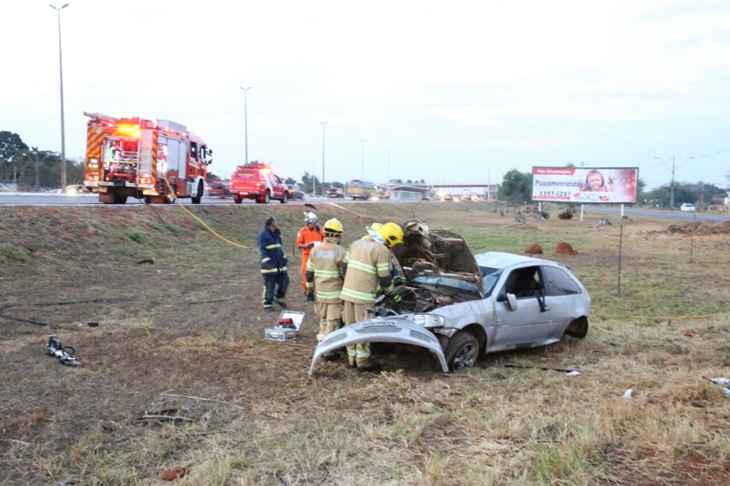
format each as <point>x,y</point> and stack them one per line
<point>381,330</point>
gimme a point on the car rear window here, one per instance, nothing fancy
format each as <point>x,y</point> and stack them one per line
<point>247,174</point>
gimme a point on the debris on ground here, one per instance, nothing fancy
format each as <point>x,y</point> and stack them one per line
<point>700,228</point>
<point>534,249</point>
<point>64,354</point>
<point>167,415</point>
<point>173,473</point>
<point>567,371</point>
<point>564,248</point>
<point>629,394</point>
<point>603,222</point>
<point>92,324</point>
<point>690,333</point>
<point>146,261</point>
<point>567,213</point>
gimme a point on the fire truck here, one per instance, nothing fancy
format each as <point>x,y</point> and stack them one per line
<point>155,160</point>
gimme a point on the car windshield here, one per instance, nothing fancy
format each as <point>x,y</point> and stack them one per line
<point>439,281</point>
<point>490,277</point>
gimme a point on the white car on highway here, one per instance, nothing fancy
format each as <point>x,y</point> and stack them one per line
<point>688,208</point>
<point>509,301</point>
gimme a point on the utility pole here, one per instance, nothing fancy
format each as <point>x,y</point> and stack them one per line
<point>362,158</point>
<point>324,129</point>
<point>245,123</point>
<point>671,186</point>
<point>60,84</point>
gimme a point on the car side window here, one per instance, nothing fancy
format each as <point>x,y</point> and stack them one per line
<point>558,282</point>
<point>525,283</point>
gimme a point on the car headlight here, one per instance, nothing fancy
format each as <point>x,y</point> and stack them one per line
<point>429,320</point>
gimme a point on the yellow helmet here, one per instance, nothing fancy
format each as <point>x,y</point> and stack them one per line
<point>391,233</point>
<point>333,226</point>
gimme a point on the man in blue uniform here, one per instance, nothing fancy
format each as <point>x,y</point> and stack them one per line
<point>273,265</point>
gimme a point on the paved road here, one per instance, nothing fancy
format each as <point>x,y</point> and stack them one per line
<point>657,214</point>
<point>49,199</point>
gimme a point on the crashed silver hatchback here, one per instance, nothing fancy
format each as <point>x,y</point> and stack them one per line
<point>458,306</point>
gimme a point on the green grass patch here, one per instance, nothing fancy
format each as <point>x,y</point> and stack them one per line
<point>137,237</point>
<point>14,253</point>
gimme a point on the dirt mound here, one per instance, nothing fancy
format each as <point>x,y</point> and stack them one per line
<point>564,248</point>
<point>701,228</point>
<point>534,249</point>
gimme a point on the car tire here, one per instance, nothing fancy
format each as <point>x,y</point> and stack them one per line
<point>198,194</point>
<point>462,351</point>
<point>237,199</point>
<point>119,198</point>
<point>578,328</point>
<point>284,198</point>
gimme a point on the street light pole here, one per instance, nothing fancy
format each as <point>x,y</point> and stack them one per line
<point>671,186</point>
<point>60,83</point>
<point>245,123</point>
<point>324,128</point>
<point>362,158</point>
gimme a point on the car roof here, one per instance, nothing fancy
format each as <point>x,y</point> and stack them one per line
<point>498,259</point>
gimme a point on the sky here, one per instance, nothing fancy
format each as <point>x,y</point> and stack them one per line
<point>451,92</point>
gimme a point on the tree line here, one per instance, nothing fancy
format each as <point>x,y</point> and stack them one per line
<point>31,167</point>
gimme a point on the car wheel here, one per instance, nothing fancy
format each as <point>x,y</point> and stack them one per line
<point>237,199</point>
<point>462,351</point>
<point>578,328</point>
<point>285,198</point>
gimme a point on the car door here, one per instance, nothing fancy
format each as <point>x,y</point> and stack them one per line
<point>278,192</point>
<point>561,293</point>
<point>529,323</point>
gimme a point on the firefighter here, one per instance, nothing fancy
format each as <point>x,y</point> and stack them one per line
<point>306,238</point>
<point>325,274</point>
<point>273,265</point>
<point>369,269</point>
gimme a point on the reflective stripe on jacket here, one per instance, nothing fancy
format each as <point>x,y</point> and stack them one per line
<point>326,262</point>
<point>367,261</point>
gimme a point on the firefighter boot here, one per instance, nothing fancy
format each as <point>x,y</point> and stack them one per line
<point>352,356</point>
<point>363,358</point>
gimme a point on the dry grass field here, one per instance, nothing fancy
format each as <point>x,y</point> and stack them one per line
<point>183,336</point>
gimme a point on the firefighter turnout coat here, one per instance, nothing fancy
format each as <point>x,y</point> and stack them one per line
<point>273,260</point>
<point>326,261</point>
<point>367,262</point>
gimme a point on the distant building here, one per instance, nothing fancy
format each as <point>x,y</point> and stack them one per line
<point>408,193</point>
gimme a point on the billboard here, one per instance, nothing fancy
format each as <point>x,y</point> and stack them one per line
<point>600,185</point>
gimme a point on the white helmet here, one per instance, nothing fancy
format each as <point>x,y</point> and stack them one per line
<point>310,218</point>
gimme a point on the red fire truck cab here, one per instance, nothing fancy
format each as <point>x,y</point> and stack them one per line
<point>256,180</point>
<point>154,160</point>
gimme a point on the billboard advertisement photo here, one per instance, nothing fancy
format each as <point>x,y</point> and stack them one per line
<point>584,185</point>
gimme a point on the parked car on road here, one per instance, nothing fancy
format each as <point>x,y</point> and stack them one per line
<point>335,193</point>
<point>461,307</point>
<point>688,208</point>
<point>219,188</point>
